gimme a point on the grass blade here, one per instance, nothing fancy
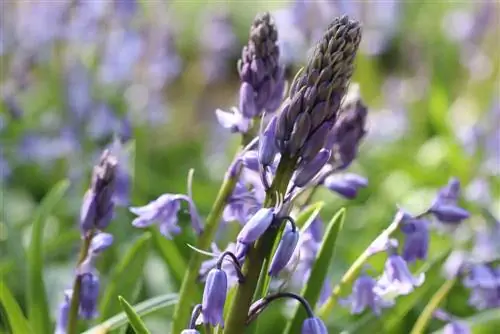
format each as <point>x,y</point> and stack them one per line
<point>133,318</point>
<point>38,310</point>
<point>15,317</point>
<point>319,271</point>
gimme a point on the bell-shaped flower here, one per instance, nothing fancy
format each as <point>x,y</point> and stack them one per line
<point>397,279</point>
<point>235,121</point>
<point>214,297</point>
<point>284,251</point>
<point>364,296</point>
<point>314,326</point>
<point>88,296</point>
<point>256,226</point>
<point>416,243</point>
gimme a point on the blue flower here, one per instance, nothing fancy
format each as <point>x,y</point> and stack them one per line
<point>346,185</point>
<point>456,327</point>
<point>62,316</point>
<point>284,251</point>
<point>481,276</point>
<point>314,326</point>
<point>227,266</point>
<point>256,226</point>
<point>363,296</point>
<point>241,205</point>
<point>88,296</point>
<point>163,211</point>
<point>235,121</point>
<point>214,297</point>
<point>444,206</point>
<point>416,244</point>
<point>397,279</point>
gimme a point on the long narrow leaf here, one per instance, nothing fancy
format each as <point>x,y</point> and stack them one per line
<point>319,271</point>
<point>142,309</point>
<point>133,318</point>
<point>15,317</point>
<point>38,310</point>
<point>126,277</point>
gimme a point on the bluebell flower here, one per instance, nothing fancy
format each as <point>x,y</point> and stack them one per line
<point>314,326</point>
<point>456,327</point>
<point>234,121</point>
<point>123,177</point>
<point>445,206</point>
<point>307,171</point>
<point>214,298</point>
<point>227,266</point>
<point>346,185</point>
<point>190,331</point>
<point>485,298</point>
<point>88,296</point>
<point>397,279</point>
<point>481,276</point>
<point>100,242</point>
<point>63,314</point>
<point>363,296</point>
<point>416,242</point>
<point>98,206</point>
<point>241,205</point>
<point>163,211</point>
<point>256,226</point>
<point>284,252</point>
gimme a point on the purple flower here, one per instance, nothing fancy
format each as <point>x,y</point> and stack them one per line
<point>314,326</point>
<point>241,205</point>
<point>227,266</point>
<point>306,172</point>
<point>267,147</point>
<point>163,211</point>
<point>363,296</point>
<point>256,226</point>
<point>445,208</point>
<point>214,298</point>
<point>284,251</point>
<point>456,327</point>
<point>121,195</point>
<point>346,185</point>
<point>416,243</point>
<point>190,331</point>
<point>100,243</point>
<point>62,316</point>
<point>481,276</point>
<point>485,298</point>
<point>235,121</point>
<point>98,206</point>
<point>397,279</point>
<point>88,296</point>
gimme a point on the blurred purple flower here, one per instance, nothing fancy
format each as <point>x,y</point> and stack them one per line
<point>233,121</point>
<point>63,313</point>
<point>163,211</point>
<point>363,296</point>
<point>444,206</point>
<point>416,243</point>
<point>346,185</point>
<point>481,276</point>
<point>123,182</point>
<point>241,205</point>
<point>78,90</point>
<point>214,298</point>
<point>397,279</point>
<point>88,296</point>
<point>456,327</point>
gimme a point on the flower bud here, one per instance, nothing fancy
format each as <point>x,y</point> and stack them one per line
<point>256,226</point>
<point>284,251</point>
<point>314,326</point>
<point>308,171</point>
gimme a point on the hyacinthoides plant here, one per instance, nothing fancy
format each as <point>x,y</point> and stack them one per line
<point>291,146</point>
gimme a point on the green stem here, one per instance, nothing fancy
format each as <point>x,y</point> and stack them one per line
<point>182,310</point>
<point>258,256</point>
<point>353,271</point>
<point>75,295</point>
<point>429,309</point>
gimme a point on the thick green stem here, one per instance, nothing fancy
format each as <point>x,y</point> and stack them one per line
<point>257,255</point>
<point>75,296</point>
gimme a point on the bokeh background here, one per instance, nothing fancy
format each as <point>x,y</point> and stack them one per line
<point>79,76</point>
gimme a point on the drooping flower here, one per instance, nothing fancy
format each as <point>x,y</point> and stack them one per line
<point>284,251</point>
<point>241,205</point>
<point>227,266</point>
<point>214,297</point>
<point>416,243</point>
<point>364,296</point>
<point>456,327</point>
<point>88,296</point>
<point>397,279</point>
<point>445,206</point>
<point>314,326</point>
<point>481,276</point>
<point>346,185</point>
<point>62,316</point>
<point>163,211</point>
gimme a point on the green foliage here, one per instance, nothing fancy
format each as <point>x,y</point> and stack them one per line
<point>16,320</point>
<point>133,318</point>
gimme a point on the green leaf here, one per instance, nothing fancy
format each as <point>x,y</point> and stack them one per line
<point>173,259</point>
<point>319,271</point>
<point>38,309</point>
<point>126,277</point>
<point>16,320</point>
<point>142,309</point>
<point>307,216</point>
<point>133,318</point>
<point>391,319</point>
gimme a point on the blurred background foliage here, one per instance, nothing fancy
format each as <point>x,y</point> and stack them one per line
<point>76,74</point>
